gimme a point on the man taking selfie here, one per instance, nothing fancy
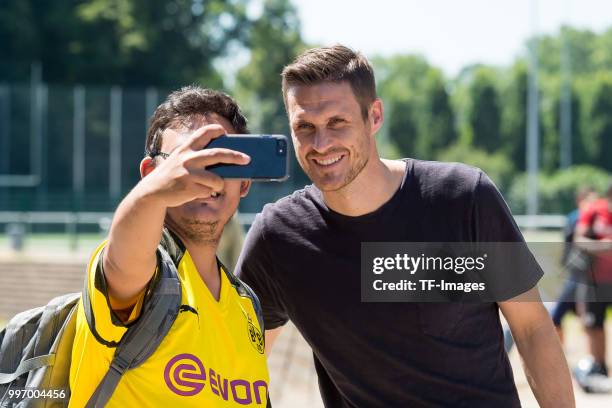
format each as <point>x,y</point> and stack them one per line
<point>208,358</point>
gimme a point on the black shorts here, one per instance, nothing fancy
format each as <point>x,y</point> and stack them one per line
<point>595,314</point>
<point>596,300</point>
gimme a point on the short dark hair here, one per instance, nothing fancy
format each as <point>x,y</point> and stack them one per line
<point>181,106</point>
<point>333,64</point>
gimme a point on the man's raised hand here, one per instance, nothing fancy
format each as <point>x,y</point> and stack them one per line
<point>182,177</point>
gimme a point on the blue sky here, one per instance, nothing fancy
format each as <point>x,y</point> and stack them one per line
<point>450,34</point>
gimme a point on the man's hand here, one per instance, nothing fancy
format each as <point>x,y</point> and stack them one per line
<point>129,259</point>
<point>182,176</point>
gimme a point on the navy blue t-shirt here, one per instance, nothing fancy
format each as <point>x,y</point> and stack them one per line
<point>303,261</point>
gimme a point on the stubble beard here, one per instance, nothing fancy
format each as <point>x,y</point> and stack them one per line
<point>350,176</point>
<point>361,160</point>
<point>204,233</point>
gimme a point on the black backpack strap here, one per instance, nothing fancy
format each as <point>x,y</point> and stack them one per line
<point>142,339</point>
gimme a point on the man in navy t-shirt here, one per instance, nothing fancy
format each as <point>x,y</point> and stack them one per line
<point>302,257</point>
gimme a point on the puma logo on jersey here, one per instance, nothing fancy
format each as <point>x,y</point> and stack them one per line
<point>187,308</point>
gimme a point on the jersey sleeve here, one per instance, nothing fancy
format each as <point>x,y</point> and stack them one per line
<point>255,267</point>
<point>512,268</point>
<point>105,320</point>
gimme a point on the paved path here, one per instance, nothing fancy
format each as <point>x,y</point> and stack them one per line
<point>294,384</point>
<point>293,380</point>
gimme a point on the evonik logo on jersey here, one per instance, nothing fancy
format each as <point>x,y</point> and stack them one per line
<point>186,375</point>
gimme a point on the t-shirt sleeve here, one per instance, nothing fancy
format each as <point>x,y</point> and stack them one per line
<point>255,268</point>
<point>494,221</point>
<point>512,268</point>
<point>106,322</point>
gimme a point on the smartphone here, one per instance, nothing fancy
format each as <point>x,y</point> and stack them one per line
<point>269,160</point>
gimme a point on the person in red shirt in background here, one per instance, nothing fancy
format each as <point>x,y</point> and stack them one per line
<point>567,300</point>
<point>594,235</point>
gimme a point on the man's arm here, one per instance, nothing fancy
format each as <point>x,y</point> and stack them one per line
<point>129,259</point>
<point>130,256</point>
<point>271,336</point>
<point>538,344</point>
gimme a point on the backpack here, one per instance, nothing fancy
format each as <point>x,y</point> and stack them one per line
<point>36,345</point>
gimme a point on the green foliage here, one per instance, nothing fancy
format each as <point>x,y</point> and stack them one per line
<point>598,121</point>
<point>274,42</point>
<point>124,42</point>
<point>484,112</point>
<point>588,52</point>
<point>514,115</point>
<point>591,68</point>
<point>478,118</point>
<point>402,127</point>
<point>420,119</point>
<point>438,125</point>
<point>497,166</point>
<point>551,125</point>
<point>399,76</point>
<point>580,45</point>
<point>557,190</point>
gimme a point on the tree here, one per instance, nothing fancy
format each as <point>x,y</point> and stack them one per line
<point>274,42</point>
<point>438,127</point>
<point>602,57</point>
<point>551,124</point>
<point>402,127</point>
<point>420,120</point>
<point>125,42</point>
<point>484,114</point>
<point>497,166</point>
<point>514,117</point>
<point>584,48</point>
<point>599,121</point>
<point>557,190</point>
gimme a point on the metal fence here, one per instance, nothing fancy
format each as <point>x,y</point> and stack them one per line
<point>77,148</point>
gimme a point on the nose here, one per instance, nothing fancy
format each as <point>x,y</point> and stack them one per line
<point>322,141</point>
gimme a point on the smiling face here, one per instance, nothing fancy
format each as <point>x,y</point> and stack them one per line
<point>202,220</point>
<point>333,142</point>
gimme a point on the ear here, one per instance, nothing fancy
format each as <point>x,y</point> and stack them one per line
<point>147,165</point>
<point>245,186</point>
<point>376,115</point>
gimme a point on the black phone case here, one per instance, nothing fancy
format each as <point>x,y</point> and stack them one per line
<point>269,160</point>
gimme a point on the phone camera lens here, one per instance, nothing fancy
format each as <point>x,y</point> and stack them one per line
<point>281,147</point>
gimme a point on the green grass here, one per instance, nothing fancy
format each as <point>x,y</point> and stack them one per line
<point>45,243</point>
<point>542,236</point>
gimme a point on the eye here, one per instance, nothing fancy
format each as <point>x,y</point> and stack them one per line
<point>336,121</point>
<point>303,126</point>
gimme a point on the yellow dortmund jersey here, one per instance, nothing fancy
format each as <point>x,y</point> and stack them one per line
<point>207,359</point>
